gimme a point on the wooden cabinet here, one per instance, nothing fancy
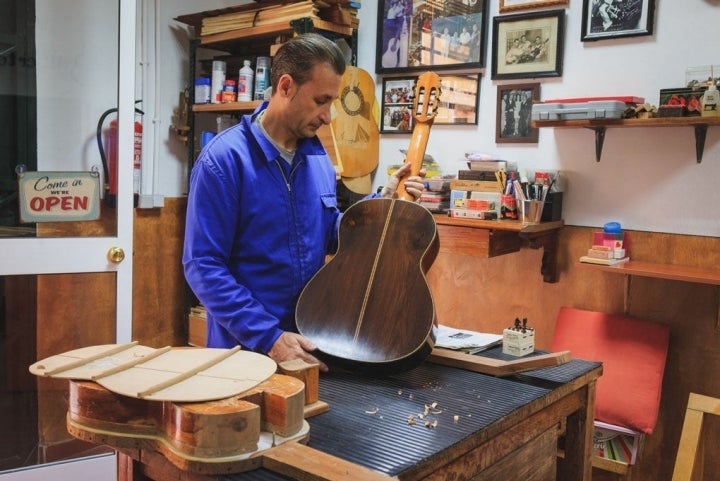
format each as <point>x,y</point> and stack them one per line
<point>599,126</point>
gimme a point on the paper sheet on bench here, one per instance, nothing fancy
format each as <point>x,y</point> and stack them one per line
<point>451,338</point>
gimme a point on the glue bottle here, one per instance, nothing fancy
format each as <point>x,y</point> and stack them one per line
<point>245,82</point>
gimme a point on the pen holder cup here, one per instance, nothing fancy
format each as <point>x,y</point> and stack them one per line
<point>531,211</point>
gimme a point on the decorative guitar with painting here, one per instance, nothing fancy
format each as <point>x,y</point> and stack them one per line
<point>355,129</point>
<point>370,309</point>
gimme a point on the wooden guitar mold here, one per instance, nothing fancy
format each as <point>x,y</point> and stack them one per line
<point>212,437</point>
<point>208,411</point>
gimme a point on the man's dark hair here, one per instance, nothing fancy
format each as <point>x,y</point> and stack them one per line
<point>300,54</point>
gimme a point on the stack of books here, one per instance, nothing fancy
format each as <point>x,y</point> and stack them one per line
<point>337,12</point>
<point>437,202</point>
<point>615,443</point>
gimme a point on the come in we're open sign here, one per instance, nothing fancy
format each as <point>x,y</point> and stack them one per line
<point>59,196</point>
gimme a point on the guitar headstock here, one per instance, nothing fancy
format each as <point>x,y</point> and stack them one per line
<point>427,97</point>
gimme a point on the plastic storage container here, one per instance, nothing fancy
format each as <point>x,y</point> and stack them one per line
<point>202,90</point>
<point>605,109</point>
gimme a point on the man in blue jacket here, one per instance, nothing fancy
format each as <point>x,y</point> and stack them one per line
<point>262,211</point>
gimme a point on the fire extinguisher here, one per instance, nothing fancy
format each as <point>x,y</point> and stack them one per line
<point>109,156</point>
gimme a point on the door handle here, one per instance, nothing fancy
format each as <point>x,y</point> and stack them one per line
<point>116,255</point>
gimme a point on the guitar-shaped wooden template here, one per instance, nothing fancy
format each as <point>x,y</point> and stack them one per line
<point>370,308</point>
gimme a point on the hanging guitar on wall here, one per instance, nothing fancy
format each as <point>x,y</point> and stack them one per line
<point>369,309</point>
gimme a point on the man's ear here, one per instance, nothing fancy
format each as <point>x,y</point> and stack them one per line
<point>286,85</point>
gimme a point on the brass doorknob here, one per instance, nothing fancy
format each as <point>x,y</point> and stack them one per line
<point>116,255</point>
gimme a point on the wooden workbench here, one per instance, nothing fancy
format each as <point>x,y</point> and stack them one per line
<point>464,425</point>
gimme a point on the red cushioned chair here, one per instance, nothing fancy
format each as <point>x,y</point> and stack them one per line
<point>633,353</point>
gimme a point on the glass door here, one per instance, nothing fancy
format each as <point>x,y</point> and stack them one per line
<point>67,72</point>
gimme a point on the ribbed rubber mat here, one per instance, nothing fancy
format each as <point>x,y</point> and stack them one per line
<point>367,423</point>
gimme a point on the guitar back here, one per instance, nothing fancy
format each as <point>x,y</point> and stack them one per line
<point>370,308</point>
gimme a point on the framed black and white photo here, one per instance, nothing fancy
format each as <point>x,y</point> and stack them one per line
<point>397,105</point>
<point>514,113</point>
<point>515,5</point>
<point>418,35</point>
<point>458,100</point>
<point>527,45</point>
<point>603,19</point>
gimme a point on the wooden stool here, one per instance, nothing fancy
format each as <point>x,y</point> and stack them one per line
<point>698,406</point>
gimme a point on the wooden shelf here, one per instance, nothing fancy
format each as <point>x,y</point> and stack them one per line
<point>227,107</point>
<point>491,238</point>
<point>697,275</point>
<point>700,124</point>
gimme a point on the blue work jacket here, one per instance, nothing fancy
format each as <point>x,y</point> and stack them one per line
<point>256,232</point>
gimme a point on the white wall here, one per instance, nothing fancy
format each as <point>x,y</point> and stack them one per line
<point>648,178</point>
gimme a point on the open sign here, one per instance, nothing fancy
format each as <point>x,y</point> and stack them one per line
<point>59,196</point>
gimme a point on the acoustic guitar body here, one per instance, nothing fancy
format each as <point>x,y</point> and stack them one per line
<point>370,309</point>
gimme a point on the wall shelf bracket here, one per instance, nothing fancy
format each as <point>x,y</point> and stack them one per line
<point>599,141</point>
<point>700,133</point>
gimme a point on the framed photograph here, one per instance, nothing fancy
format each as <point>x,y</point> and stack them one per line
<point>458,100</point>
<point>515,5</point>
<point>612,19</point>
<point>527,45</point>
<point>397,104</point>
<point>418,35</point>
<point>514,113</point>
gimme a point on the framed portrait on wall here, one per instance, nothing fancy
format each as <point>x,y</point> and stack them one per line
<point>528,45</point>
<point>612,19</point>
<point>514,113</point>
<point>458,100</point>
<point>397,105</point>
<point>515,5</point>
<point>418,35</point>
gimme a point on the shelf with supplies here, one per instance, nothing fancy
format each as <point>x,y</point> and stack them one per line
<point>491,238</point>
<point>599,126</point>
<point>228,107</point>
<point>698,275</point>
<point>269,28</point>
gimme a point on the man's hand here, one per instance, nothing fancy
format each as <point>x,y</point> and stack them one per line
<point>291,346</point>
<point>414,184</point>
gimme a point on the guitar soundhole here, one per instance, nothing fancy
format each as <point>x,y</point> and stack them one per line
<point>352,100</point>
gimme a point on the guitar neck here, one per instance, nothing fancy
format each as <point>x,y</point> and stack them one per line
<point>415,155</point>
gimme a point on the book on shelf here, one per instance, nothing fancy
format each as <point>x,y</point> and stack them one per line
<point>616,443</point>
<point>491,165</point>
<point>603,262</point>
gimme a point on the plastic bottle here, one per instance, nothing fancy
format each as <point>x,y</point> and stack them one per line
<point>262,77</point>
<point>218,81</point>
<point>711,101</point>
<point>245,82</point>
<point>202,90</point>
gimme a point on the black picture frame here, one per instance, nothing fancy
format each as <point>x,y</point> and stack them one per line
<point>513,122</point>
<point>606,19</point>
<point>528,45</point>
<point>416,35</point>
<point>396,115</point>
<point>515,5</point>
<point>459,95</point>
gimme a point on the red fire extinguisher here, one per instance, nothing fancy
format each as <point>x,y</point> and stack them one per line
<point>109,156</point>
